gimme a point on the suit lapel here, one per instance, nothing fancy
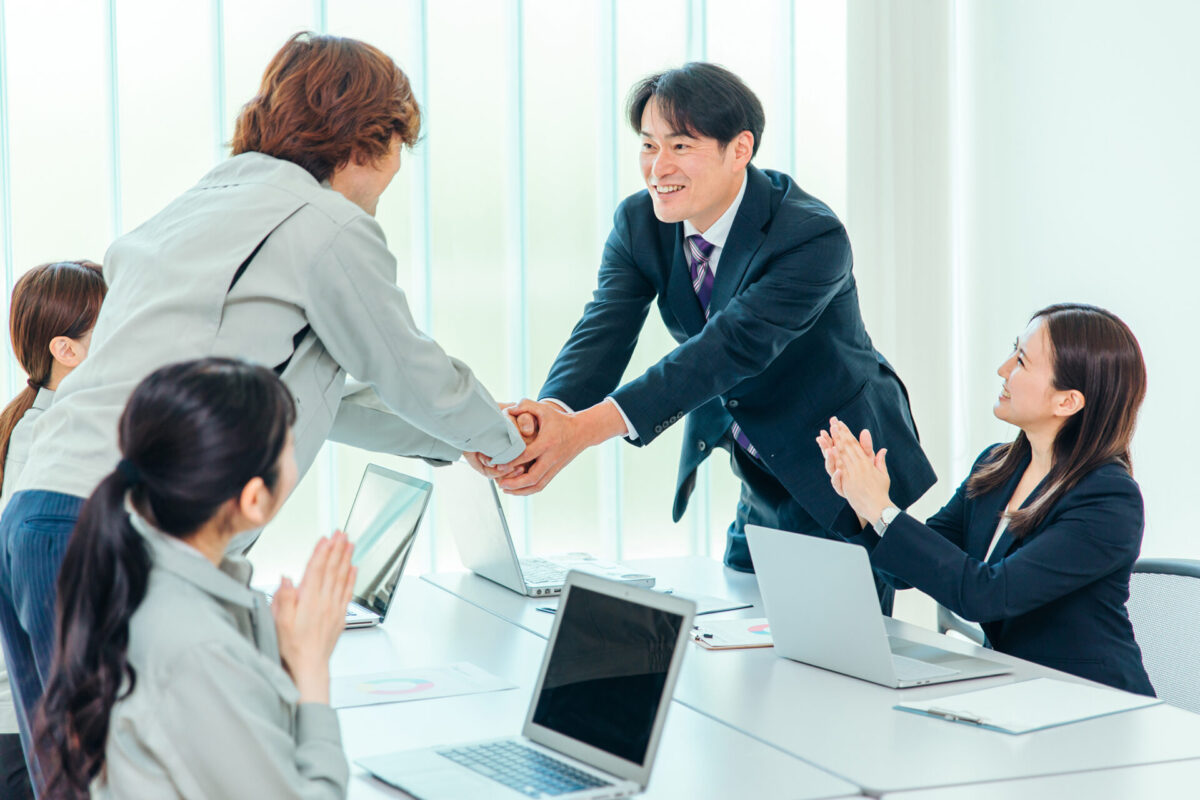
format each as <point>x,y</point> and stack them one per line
<point>745,237</point>
<point>1008,540</point>
<point>681,297</point>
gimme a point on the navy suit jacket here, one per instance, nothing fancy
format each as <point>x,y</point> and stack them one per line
<point>1055,596</point>
<point>783,350</point>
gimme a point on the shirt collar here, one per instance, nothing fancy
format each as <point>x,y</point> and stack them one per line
<point>43,399</point>
<point>228,584</point>
<point>718,232</point>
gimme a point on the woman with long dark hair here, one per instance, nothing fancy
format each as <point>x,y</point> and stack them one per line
<point>53,310</point>
<point>274,256</point>
<point>1039,541</point>
<point>171,679</point>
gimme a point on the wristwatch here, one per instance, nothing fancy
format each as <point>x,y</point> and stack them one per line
<point>881,525</point>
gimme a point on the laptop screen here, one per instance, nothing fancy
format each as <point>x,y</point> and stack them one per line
<point>606,677</point>
<point>382,525</point>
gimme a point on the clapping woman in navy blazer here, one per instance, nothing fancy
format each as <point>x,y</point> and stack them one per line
<point>1039,541</point>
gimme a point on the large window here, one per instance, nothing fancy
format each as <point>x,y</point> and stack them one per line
<point>497,218</point>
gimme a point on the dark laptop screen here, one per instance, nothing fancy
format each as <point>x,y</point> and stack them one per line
<point>605,680</point>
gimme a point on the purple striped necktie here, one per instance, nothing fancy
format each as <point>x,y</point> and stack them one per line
<point>698,253</point>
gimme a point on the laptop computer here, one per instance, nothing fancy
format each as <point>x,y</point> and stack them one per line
<point>597,711</point>
<point>486,547</point>
<point>383,522</point>
<point>820,601</point>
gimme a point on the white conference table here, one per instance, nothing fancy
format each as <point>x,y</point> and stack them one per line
<point>1177,780</point>
<point>849,727</point>
<point>698,756</point>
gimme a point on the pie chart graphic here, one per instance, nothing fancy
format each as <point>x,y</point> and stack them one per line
<point>393,686</point>
<point>762,630</point>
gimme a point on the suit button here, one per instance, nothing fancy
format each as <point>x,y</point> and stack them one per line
<point>732,404</point>
<point>702,446</point>
<point>658,428</point>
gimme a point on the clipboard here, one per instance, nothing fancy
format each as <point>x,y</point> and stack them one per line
<point>733,634</point>
<point>1027,706</point>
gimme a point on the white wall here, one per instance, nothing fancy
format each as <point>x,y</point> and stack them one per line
<point>1003,156</point>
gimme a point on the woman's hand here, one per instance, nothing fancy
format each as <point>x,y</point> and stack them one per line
<point>309,619</point>
<point>859,474</point>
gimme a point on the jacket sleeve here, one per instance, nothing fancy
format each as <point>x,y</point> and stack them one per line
<point>227,727</point>
<point>363,420</point>
<point>591,363</point>
<point>363,320</point>
<point>742,340</point>
<point>1093,530</point>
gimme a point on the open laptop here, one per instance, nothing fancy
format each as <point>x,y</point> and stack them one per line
<point>383,522</point>
<point>597,711</point>
<point>820,600</point>
<point>486,547</point>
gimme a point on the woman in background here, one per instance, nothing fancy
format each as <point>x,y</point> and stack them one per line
<point>51,316</point>
<point>171,679</point>
<point>1039,541</point>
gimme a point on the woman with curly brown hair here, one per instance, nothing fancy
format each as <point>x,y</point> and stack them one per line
<point>274,257</point>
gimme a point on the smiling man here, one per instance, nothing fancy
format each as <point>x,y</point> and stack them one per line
<point>753,279</point>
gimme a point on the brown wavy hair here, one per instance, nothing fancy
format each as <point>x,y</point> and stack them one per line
<point>325,99</point>
<point>58,299</point>
<point>1096,354</point>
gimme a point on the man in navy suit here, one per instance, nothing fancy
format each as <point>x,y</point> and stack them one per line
<point>753,279</point>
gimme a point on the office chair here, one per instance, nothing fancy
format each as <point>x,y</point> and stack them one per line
<point>948,621</point>
<point>1164,606</point>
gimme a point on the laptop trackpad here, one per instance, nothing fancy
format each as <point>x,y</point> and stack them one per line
<point>923,652</point>
<point>425,774</point>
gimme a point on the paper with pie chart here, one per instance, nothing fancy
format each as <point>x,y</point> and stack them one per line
<point>733,634</point>
<point>413,683</point>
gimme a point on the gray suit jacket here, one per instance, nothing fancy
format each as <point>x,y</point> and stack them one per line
<point>319,296</point>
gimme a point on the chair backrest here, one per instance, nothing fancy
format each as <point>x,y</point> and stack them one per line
<point>948,621</point>
<point>1164,606</point>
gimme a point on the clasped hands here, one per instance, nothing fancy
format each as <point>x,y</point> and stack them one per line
<point>553,438</point>
<point>856,471</point>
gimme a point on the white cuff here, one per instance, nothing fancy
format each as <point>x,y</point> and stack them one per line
<point>630,431</point>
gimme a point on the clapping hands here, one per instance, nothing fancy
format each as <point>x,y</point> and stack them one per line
<point>855,470</point>
<point>310,618</point>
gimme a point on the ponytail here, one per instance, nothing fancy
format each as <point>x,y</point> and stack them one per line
<point>102,582</point>
<point>9,418</point>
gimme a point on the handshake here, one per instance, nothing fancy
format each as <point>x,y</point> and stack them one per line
<point>553,437</point>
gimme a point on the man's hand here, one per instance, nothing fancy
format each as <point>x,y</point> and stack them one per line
<point>560,437</point>
<point>527,426</point>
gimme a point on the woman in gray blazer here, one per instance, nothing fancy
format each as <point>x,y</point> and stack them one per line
<point>275,257</point>
<point>170,679</point>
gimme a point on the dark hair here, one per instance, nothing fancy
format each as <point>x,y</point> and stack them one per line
<point>58,299</point>
<point>702,99</point>
<point>1095,353</point>
<point>324,99</point>
<point>192,436</point>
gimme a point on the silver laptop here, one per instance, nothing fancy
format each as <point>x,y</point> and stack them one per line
<point>383,522</point>
<point>820,600</point>
<point>486,547</point>
<point>596,714</point>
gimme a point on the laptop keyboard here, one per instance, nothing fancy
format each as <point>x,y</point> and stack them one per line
<point>539,570</point>
<point>911,669</point>
<point>523,769</point>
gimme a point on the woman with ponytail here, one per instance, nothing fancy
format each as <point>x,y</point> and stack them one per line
<point>53,310</point>
<point>171,678</point>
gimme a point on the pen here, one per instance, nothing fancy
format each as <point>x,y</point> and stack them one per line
<point>954,716</point>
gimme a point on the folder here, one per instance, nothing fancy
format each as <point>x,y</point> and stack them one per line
<point>733,634</point>
<point>1031,705</point>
